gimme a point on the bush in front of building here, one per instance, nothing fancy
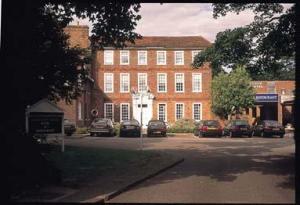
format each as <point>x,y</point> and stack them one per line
<point>182,126</point>
<point>117,128</point>
<point>81,130</point>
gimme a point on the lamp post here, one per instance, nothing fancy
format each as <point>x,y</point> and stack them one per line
<point>141,95</point>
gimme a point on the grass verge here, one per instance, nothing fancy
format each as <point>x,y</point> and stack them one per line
<point>80,165</point>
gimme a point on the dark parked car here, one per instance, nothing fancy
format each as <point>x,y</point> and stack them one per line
<point>157,127</point>
<point>208,127</point>
<point>238,128</point>
<point>268,128</point>
<point>69,127</point>
<point>102,126</point>
<point>130,128</point>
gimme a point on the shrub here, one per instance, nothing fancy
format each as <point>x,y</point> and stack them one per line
<point>117,128</point>
<point>81,130</point>
<point>182,126</point>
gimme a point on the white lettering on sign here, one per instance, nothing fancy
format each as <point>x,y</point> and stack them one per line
<point>256,84</point>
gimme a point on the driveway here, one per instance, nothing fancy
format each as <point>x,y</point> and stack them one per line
<point>215,170</point>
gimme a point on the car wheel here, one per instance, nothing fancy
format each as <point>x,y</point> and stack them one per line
<point>91,134</point>
<point>282,135</point>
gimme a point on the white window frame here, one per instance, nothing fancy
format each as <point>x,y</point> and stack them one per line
<point>175,57</point>
<point>166,110</point>
<point>121,88</point>
<point>197,103</point>
<point>182,84</point>
<point>165,56</point>
<point>139,74</point>
<point>176,110</point>
<point>112,109</point>
<point>146,57</point>
<point>121,115</point>
<point>111,62</point>
<point>125,53</point>
<point>157,82</point>
<point>79,110</point>
<point>105,88</point>
<point>194,53</point>
<point>193,85</point>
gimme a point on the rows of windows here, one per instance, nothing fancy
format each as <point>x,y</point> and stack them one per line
<point>143,82</point>
<point>161,111</point>
<point>161,57</point>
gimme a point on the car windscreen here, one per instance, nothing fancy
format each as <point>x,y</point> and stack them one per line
<point>101,121</point>
<point>240,122</point>
<point>271,123</point>
<point>211,123</point>
<point>156,123</point>
<point>133,122</point>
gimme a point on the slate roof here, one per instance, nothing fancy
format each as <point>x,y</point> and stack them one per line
<point>171,42</point>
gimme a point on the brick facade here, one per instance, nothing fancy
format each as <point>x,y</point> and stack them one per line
<point>151,69</point>
<point>282,110</point>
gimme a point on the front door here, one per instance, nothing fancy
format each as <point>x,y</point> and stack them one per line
<point>146,108</point>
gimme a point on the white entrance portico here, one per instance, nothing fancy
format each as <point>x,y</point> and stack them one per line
<point>146,99</point>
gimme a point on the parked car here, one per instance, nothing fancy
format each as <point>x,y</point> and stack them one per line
<point>69,127</point>
<point>238,128</point>
<point>102,126</point>
<point>156,127</point>
<point>130,128</point>
<point>266,128</point>
<point>208,127</point>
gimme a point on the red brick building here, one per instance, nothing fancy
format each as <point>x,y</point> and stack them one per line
<point>161,66</point>
<point>274,101</point>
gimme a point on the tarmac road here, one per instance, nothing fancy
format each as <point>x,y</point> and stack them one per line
<point>218,170</point>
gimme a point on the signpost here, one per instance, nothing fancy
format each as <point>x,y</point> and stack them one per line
<point>141,95</point>
<point>44,117</point>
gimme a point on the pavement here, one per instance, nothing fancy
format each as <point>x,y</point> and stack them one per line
<point>215,170</point>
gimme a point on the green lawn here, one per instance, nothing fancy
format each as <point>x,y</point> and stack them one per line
<point>82,164</point>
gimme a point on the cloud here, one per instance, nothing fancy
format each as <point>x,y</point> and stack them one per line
<point>185,19</point>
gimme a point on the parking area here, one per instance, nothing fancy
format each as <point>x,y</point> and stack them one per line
<point>214,170</point>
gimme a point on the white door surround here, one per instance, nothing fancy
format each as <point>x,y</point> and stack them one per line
<point>147,108</point>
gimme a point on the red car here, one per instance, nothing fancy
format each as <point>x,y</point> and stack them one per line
<point>208,127</point>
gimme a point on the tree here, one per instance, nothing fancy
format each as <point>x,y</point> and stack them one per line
<point>40,64</point>
<point>231,93</point>
<point>266,46</point>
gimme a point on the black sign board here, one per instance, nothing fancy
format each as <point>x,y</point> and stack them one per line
<point>266,97</point>
<point>45,123</point>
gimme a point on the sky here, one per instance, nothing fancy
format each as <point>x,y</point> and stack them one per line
<point>186,19</point>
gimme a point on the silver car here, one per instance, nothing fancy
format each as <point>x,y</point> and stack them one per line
<point>101,126</point>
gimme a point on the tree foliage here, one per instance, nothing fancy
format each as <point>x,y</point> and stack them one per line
<point>266,46</point>
<point>232,92</point>
<point>39,63</point>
